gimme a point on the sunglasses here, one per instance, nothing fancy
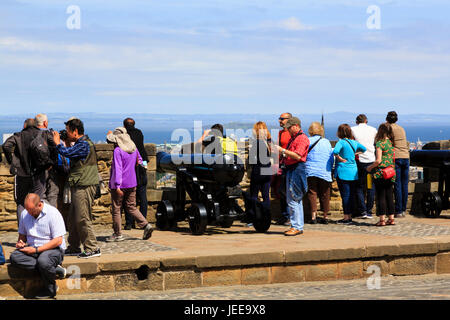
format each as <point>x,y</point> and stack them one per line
<point>281,119</point>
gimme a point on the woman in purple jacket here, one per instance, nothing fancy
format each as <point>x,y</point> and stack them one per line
<point>122,183</point>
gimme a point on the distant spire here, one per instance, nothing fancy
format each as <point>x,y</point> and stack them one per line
<point>322,123</point>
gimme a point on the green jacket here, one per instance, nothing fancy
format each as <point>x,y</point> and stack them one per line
<point>84,173</point>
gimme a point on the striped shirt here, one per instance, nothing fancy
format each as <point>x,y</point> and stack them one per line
<point>46,227</point>
<point>79,151</point>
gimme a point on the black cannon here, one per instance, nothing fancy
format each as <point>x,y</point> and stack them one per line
<point>434,202</point>
<point>212,183</point>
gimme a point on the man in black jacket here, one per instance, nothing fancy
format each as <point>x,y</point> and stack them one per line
<point>44,174</point>
<point>15,149</point>
<point>141,190</point>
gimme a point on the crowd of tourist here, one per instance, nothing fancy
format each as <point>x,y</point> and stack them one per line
<point>57,172</point>
<point>365,162</point>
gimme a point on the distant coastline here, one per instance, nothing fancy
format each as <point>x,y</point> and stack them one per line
<point>158,128</point>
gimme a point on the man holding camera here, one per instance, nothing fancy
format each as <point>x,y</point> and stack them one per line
<point>83,179</point>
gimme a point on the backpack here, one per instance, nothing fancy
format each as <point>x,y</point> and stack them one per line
<point>39,152</point>
<point>63,164</point>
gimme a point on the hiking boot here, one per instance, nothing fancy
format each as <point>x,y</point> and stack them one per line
<point>147,231</point>
<point>91,254</point>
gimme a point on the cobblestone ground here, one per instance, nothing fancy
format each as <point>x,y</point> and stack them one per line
<point>425,287</point>
<point>102,233</point>
<point>404,227</point>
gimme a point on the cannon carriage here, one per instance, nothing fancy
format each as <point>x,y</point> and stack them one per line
<point>434,202</point>
<point>212,183</point>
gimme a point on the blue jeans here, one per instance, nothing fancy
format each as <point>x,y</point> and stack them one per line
<point>401,184</point>
<point>364,196</point>
<point>347,188</point>
<point>296,187</point>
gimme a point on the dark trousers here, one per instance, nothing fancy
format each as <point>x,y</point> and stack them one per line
<point>141,199</point>
<point>347,188</point>
<point>45,263</point>
<point>260,183</point>
<point>385,197</point>
<point>22,186</point>
<point>45,185</point>
<point>319,188</point>
<point>278,183</point>
<point>401,184</point>
<point>364,196</point>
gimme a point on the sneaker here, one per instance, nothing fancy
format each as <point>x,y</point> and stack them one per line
<point>91,254</point>
<point>345,221</point>
<point>72,251</point>
<point>61,272</point>
<point>115,238</point>
<point>147,231</point>
<point>400,215</point>
<point>367,216</point>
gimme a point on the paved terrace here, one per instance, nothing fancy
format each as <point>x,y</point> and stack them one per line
<point>239,256</point>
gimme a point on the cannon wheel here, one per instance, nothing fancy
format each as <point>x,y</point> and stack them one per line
<point>432,204</point>
<point>198,218</point>
<point>263,218</point>
<point>165,216</point>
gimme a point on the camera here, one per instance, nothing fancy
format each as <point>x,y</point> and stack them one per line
<point>63,134</point>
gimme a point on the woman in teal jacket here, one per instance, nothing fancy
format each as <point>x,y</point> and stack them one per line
<point>346,171</point>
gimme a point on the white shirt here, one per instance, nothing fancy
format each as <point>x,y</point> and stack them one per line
<point>365,135</point>
<point>47,226</point>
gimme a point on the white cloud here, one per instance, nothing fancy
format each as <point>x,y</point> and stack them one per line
<point>289,24</point>
<point>293,24</point>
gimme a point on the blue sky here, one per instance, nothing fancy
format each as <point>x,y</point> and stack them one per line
<point>252,56</point>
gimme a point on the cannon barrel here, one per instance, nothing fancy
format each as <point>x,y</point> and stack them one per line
<point>225,169</point>
<point>430,158</point>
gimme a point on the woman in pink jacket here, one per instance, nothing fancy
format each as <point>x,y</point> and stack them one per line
<point>123,183</point>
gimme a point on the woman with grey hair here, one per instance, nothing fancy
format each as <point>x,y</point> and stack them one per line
<point>123,182</point>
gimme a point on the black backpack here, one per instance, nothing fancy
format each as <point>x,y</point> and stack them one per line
<point>39,152</point>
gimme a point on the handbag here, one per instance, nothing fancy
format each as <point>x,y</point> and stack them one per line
<point>388,173</point>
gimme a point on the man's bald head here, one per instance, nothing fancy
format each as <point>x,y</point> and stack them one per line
<point>33,204</point>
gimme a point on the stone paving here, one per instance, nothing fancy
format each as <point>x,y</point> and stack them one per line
<point>425,287</point>
<point>405,227</point>
<point>129,245</point>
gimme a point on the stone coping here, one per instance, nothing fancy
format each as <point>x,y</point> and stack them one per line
<point>167,261</point>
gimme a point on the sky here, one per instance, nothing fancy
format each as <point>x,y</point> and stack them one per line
<point>229,56</point>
